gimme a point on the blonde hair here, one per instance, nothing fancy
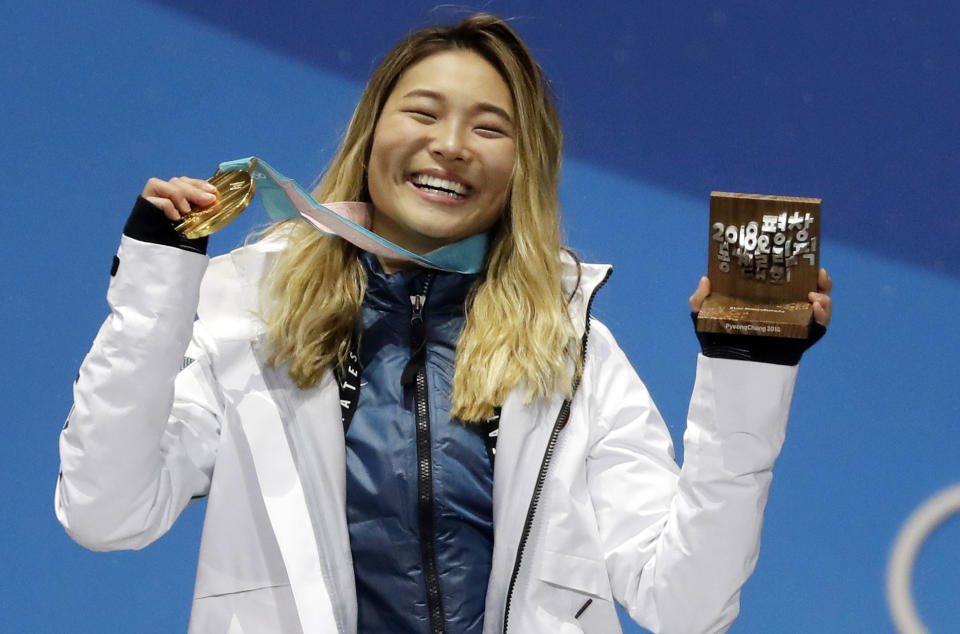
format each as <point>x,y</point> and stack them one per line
<point>517,330</point>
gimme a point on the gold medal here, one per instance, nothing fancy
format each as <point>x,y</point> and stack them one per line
<point>235,190</point>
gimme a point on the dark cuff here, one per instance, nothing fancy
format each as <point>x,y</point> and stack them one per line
<point>778,350</point>
<point>148,224</point>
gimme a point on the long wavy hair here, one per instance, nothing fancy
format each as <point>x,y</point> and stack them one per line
<point>517,330</point>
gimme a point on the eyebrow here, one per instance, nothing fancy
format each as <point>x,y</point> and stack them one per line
<point>483,106</point>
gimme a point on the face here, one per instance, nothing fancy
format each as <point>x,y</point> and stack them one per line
<point>443,152</point>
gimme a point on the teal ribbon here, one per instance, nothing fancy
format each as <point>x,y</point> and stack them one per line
<point>465,256</point>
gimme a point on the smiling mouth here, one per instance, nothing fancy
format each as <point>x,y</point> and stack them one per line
<point>442,186</point>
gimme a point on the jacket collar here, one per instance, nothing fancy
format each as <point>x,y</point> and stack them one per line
<point>230,287</point>
<point>391,292</point>
<point>580,282</point>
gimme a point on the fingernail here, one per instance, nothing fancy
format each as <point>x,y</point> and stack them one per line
<point>209,187</point>
<point>207,196</point>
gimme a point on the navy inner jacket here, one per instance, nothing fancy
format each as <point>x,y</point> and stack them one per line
<point>385,513</point>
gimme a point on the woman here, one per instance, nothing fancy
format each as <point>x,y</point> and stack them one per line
<point>409,507</point>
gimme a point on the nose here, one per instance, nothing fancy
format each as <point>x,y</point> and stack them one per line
<point>449,142</point>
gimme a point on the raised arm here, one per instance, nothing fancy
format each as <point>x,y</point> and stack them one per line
<point>141,437</point>
<point>680,544</point>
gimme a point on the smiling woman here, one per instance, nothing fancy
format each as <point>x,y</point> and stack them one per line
<point>391,448</point>
<point>443,152</point>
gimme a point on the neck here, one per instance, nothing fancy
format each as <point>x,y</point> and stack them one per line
<point>391,265</point>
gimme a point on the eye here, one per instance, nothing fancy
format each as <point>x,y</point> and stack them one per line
<point>491,131</point>
<point>423,116</point>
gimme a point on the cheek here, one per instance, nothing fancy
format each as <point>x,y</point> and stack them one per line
<point>378,169</point>
<point>393,144</point>
<point>378,152</point>
<point>502,174</point>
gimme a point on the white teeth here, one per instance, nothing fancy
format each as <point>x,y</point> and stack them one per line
<point>433,182</point>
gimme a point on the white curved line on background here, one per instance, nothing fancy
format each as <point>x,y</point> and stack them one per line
<point>906,547</point>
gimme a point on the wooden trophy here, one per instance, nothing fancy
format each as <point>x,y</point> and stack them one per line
<point>764,259</point>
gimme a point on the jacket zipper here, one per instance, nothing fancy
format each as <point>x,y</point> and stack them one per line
<point>558,426</point>
<point>425,508</point>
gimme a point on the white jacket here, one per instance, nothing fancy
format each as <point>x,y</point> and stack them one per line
<point>612,518</point>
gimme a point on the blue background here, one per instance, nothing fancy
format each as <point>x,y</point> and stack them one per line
<point>853,102</point>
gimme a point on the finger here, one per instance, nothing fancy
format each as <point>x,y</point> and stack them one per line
<point>179,197</point>
<point>169,190</point>
<point>202,184</point>
<point>822,307</point>
<point>166,206</point>
<point>703,289</point>
<point>154,187</point>
<point>194,189</point>
<point>824,282</point>
<point>185,195</point>
<point>820,314</point>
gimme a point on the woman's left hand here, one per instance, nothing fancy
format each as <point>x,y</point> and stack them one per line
<point>820,299</point>
<point>703,289</point>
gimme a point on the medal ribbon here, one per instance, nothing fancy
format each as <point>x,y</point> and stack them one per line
<point>283,199</point>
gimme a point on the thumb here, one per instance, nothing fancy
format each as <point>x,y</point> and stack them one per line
<point>703,289</point>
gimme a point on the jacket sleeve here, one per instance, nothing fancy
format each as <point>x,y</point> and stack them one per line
<point>140,441</point>
<point>680,543</point>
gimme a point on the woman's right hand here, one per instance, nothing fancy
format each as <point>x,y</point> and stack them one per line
<point>178,195</point>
